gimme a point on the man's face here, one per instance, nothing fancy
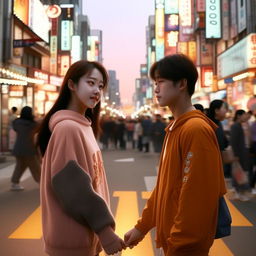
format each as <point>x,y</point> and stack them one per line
<point>166,91</point>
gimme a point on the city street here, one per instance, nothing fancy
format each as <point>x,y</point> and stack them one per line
<point>131,176</point>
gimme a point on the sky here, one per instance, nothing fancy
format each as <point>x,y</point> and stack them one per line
<point>123,24</point>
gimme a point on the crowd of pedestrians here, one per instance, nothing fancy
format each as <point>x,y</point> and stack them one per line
<point>145,133</point>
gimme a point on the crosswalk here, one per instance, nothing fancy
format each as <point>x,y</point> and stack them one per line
<point>127,213</point>
<point>126,216</point>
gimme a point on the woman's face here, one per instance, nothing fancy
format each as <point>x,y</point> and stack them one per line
<point>88,91</point>
<point>220,114</point>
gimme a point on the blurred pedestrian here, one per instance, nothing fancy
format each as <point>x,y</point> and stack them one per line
<point>252,176</point>
<point>184,204</point>
<point>158,133</point>
<point>146,130</point>
<point>76,216</point>
<point>238,143</point>
<point>199,107</point>
<point>137,136</point>
<point>24,150</point>
<point>120,133</point>
<point>217,113</point>
<point>12,134</point>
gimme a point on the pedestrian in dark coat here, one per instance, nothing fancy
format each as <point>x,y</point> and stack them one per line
<point>240,151</point>
<point>24,149</point>
<point>158,133</point>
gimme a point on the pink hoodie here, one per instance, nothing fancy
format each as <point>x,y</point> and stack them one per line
<point>72,139</point>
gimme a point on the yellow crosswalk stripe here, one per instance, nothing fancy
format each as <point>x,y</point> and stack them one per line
<point>238,219</point>
<point>31,228</point>
<point>127,215</point>
<point>219,248</point>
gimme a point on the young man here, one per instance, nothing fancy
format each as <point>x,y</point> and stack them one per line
<point>184,204</point>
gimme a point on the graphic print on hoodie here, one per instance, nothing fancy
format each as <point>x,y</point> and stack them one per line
<point>73,158</point>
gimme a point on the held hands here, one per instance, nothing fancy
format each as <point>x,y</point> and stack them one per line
<point>110,242</point>
<point>133,237</point>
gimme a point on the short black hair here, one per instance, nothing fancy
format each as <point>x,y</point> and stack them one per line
<point>175,68</point>
<point>199,107</point>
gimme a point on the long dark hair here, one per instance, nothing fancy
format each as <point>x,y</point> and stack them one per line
<point>75,72</point>
<point>215,104</point>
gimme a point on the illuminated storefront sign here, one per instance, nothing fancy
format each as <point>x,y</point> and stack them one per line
<point>66,32</point>
<point>159,29</point>
<point>185,13</point>
<point>171,22</point>
<point>192,50</point>
<point>171,40</point>
<point>239,57</point>
<point>53,51</point>
<point>56,80</point>
<point>213,24</point>
<point>42,76</point>
<point>206,50</point>
<point>76,49</point>
<point>65,63</point>
<point>171,6</point>
<point>200,5</point>
<point>182,47</point>
<point>207,77</point>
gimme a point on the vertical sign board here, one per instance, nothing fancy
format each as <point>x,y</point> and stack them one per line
<point>233,18</point>
<point>66,32</point>
<point>213,21</point>
<point>159,32</point>
<point>225,20</point>
<point>241,15</point>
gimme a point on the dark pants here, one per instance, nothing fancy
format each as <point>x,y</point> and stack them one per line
<point>32,162</point>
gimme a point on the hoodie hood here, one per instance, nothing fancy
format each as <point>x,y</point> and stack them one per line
<point>188,115</point>
<point>62,115</point>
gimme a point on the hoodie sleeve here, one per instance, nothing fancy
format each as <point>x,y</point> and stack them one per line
<point>196,219</point>
<point>147,221</point>
<point>71,183</point>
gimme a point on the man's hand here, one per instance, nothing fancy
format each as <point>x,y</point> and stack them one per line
<point>110,242</point>
<point>133,237</point>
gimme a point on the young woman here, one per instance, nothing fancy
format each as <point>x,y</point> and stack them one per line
<point>217,113</point>
<point>74,193</point>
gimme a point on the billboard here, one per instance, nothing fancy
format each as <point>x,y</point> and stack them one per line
<point>206,77</point>
<point>213,20</point>
<point>21,10</point>
<point>37,13</point>
<point>243,54</point>
<point>171,6</point>
<point>171,22</point>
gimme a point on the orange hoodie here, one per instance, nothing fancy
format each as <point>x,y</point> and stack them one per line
<point>184,204</point>
<point>72,139</point>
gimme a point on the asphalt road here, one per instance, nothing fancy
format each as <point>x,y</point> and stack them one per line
<point>131,176</point>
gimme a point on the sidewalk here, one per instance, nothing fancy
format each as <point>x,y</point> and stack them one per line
<point>6,159</point>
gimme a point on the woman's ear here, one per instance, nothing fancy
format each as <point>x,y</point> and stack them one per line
<point>71,85</point>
